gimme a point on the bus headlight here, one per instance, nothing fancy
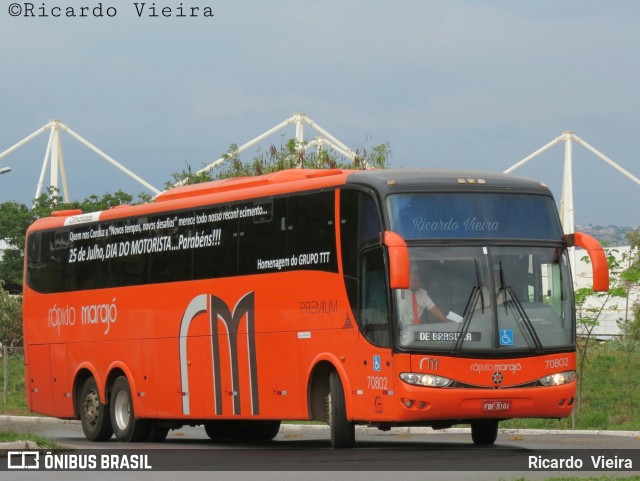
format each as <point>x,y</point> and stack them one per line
<point>427,380</point>
<point>558,379</point>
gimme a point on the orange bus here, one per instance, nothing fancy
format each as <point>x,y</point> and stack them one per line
<point>381,298</point>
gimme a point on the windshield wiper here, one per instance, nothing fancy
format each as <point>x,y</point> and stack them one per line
<point>476,292</point>
<point>510,294</point>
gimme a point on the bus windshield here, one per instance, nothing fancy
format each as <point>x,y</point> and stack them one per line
<point>462,215</point>
<point>474,299</point>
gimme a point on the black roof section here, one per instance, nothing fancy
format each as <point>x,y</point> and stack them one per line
<point>391,180</point>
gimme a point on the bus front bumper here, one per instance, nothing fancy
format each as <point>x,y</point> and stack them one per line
<point>420,404</point>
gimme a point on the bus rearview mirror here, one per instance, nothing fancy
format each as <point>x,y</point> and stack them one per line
<point>399,266</point>
<point>599,263</point>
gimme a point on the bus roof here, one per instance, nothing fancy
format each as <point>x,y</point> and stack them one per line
<point>390,180</point>
<point>296,180</point>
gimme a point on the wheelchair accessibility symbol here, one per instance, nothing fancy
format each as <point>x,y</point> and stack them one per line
<point>506,337</point>
<point>377,365</point>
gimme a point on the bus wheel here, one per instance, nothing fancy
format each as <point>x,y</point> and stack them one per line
<point>218,430</point>
<point>157,434</point>
<point>484,433</point>
<point>266,430</point>
<point>343,434</point>
<point>94,416</point>
<point>125,426</point>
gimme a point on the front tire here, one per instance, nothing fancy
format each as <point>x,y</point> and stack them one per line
<point>125,425</point>
<point>484,433</point>
<point>343,432</point>
<point>94,416</point>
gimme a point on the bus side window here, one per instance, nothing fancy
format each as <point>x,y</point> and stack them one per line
<point>359,226</point>
<point>310,230</point>
<point>262,237</point>
<point>220,259</point>
<point>374,313</point>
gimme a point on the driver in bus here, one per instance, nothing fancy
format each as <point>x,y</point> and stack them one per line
<point>415,302</point>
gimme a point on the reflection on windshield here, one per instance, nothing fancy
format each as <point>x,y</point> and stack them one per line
<point>474,215</point>
<point>486,298</point>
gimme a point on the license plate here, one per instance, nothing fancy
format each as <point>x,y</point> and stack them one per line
<point>496,406</point>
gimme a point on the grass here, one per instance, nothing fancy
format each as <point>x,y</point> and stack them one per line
<point>16,397</point>
<point>11,436</point>
<point>610,392</point>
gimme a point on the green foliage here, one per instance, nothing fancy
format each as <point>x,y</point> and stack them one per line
<point>10,318</point>
<point>611,392</point>
<point>589,308</point>
<point>12,436</point>
<point>16,394</point>
<point>631,277</point>
<point>288,156</point>
<point>15,218</point>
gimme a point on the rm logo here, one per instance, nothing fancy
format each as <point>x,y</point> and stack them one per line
<point>219,311</point>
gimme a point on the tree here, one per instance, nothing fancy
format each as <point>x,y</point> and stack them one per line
<point>10,319</point>
<point>631,276</point>
<point>15,219</point>
<point>288,156</point>
<point>590,306</point>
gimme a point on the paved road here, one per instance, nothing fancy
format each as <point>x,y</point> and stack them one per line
<point>398,454</point>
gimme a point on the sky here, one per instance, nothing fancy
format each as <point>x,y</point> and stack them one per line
<point>464,84</point>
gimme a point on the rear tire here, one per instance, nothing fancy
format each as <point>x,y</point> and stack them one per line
<point>266,430</point>
<point>125,425</point>
<point>157,434</point>
<point>343,433</point>
<point>484,433</point>
<point>218,430</point>
<point>94,416</point>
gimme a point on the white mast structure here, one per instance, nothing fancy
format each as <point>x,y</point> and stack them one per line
<point>300,120</point>
<point>53,156</point>
<point>566,201</point>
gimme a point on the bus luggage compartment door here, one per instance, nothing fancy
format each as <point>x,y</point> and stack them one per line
<point>39,384</point>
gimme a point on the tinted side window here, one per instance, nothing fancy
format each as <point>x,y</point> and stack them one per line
<point>374,315</point>
<point>262,238</point>
<point>268,235</point>
<point>219,257</point>
<point>47,266</point>
<point>359,226</point>
<point>311,235</point>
